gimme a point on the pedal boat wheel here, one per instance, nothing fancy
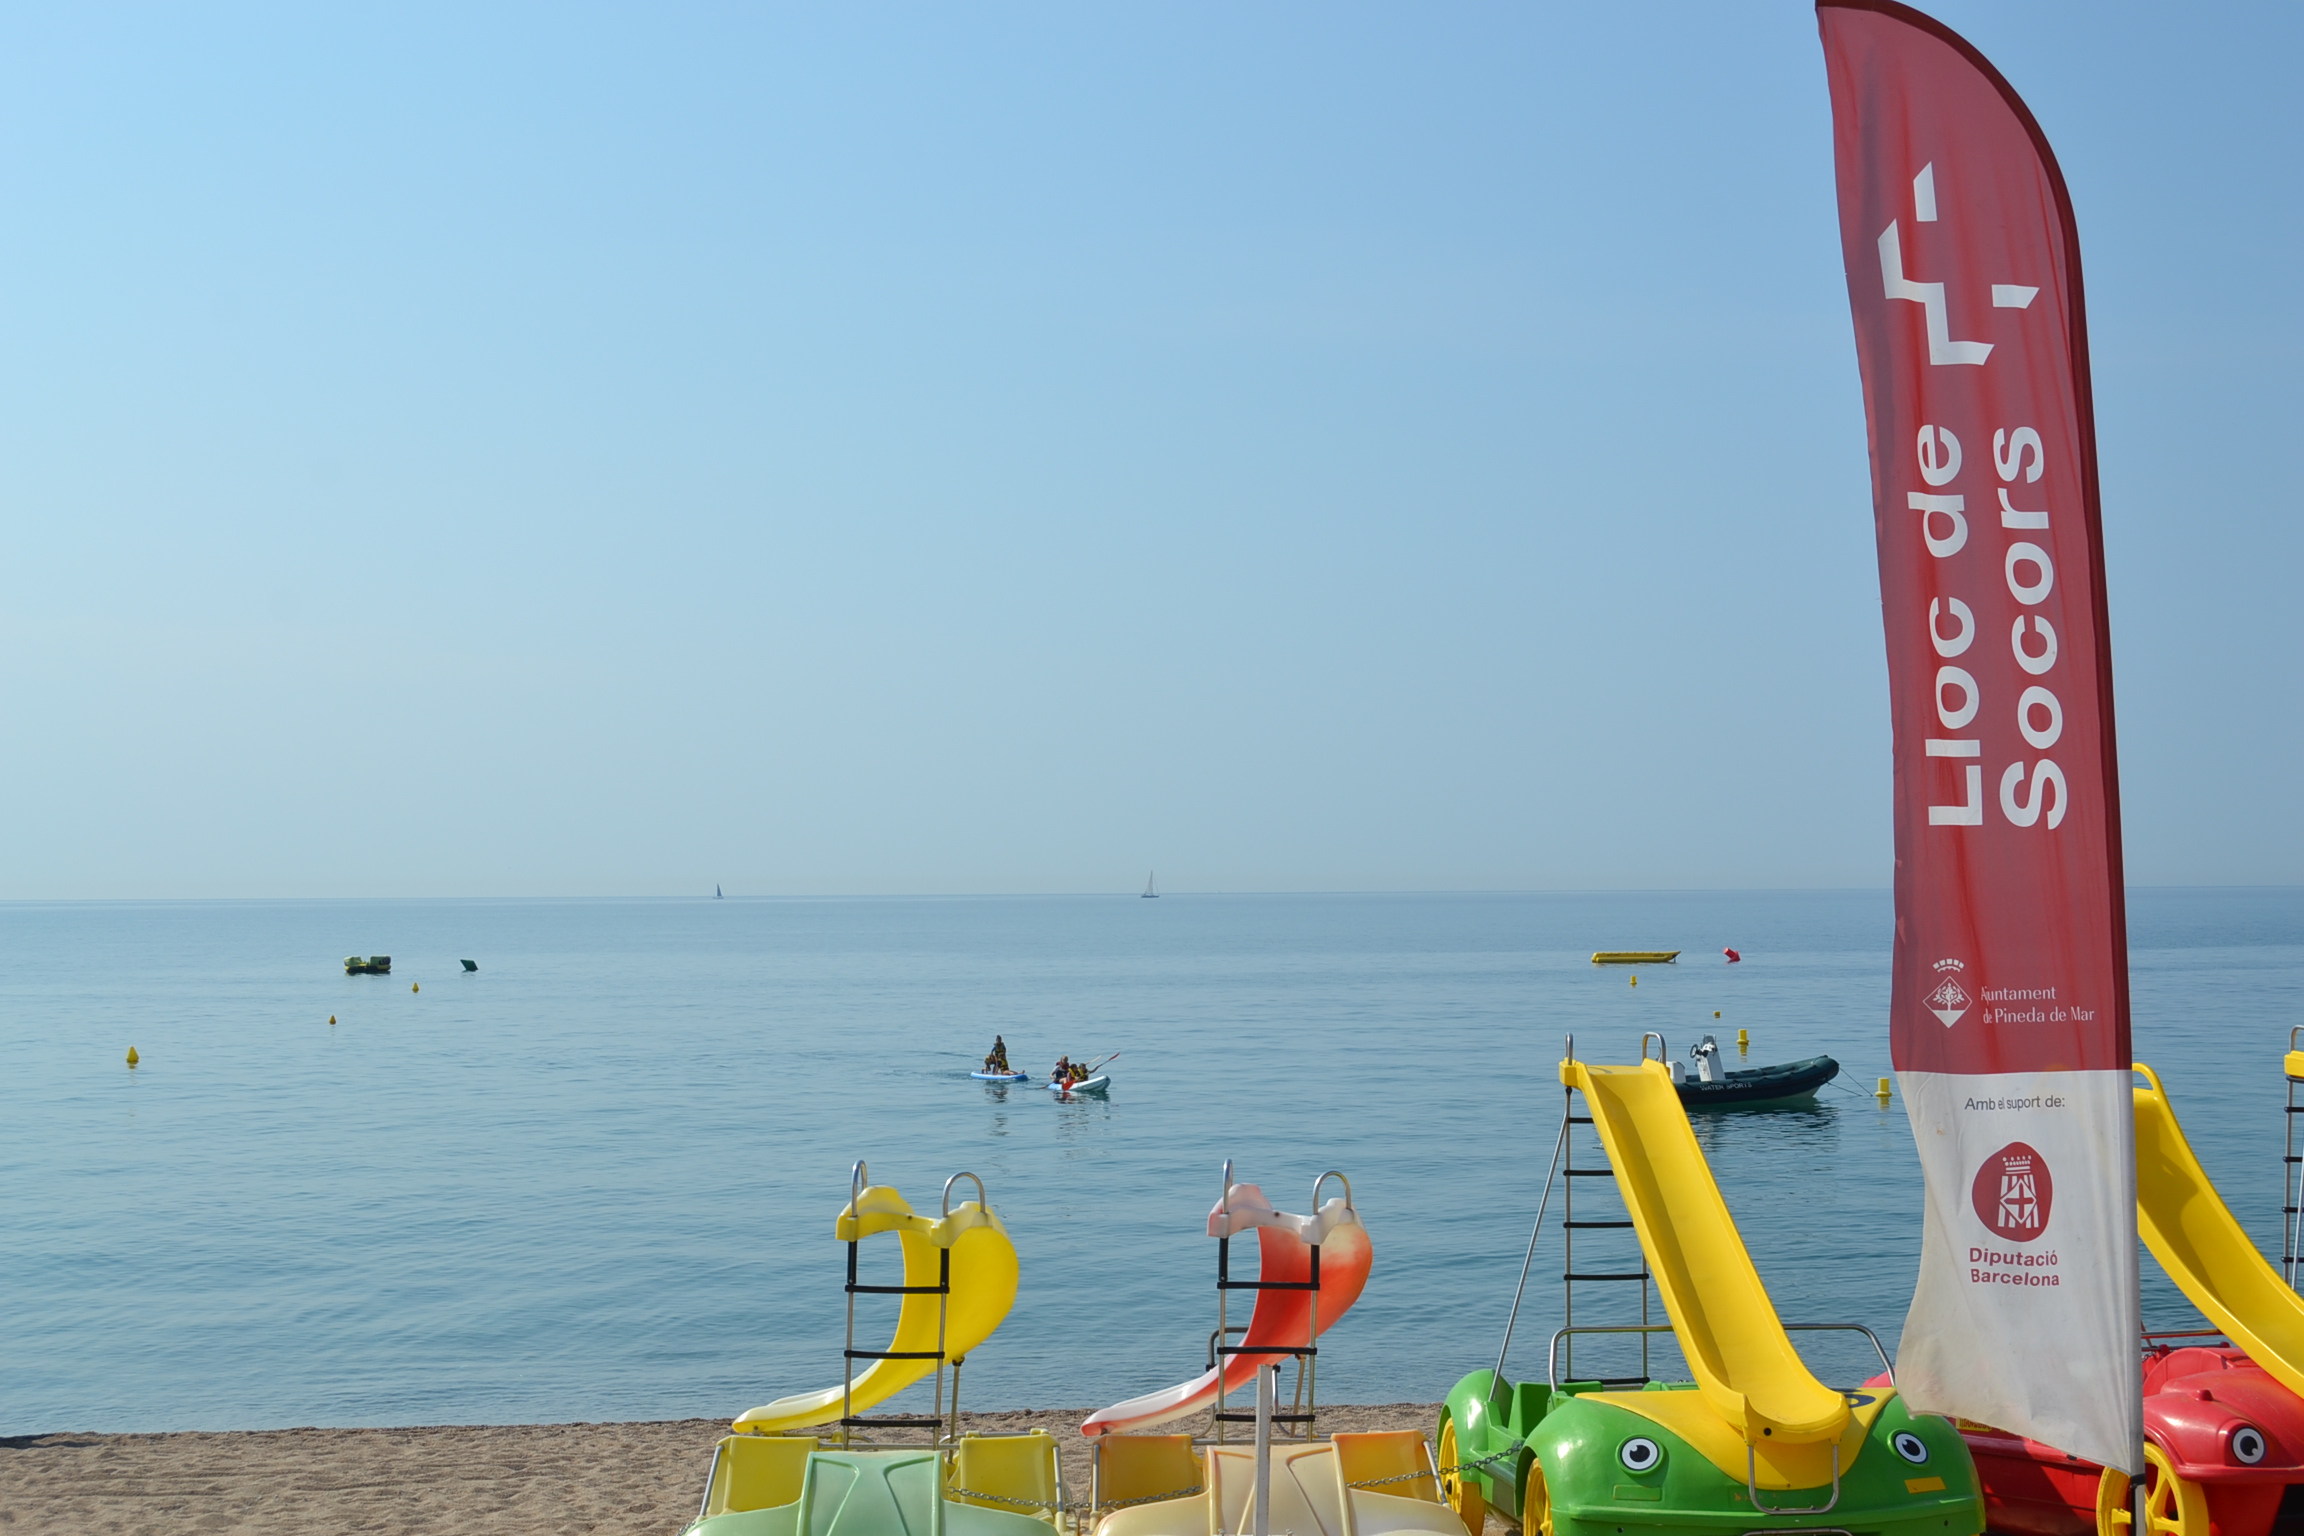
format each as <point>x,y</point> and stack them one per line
<point>1459,1492</point>
<point>2173,1505</point>
<point>1536,1503</point>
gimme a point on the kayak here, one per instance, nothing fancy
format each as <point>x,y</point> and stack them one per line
<point>1002,1077</point>
<point>1785,1083</point>
<point>1096,1084</point>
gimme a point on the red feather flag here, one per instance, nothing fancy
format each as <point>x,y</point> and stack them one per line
<point>2009,1016</point>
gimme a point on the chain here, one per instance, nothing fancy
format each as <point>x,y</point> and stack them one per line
<point>1078,1507</point>
<point>1454,1470</point>
<point>1075,1506</point>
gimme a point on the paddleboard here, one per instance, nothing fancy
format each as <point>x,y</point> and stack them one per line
<point>1096,1084</point>
<point>1002,1077</point>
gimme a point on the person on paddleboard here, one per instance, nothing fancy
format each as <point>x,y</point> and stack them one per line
<point>998,1060</point>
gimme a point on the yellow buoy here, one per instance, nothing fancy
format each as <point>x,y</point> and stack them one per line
<point>414,988</point>
<point>1635,981</point>
<point>1882,1093</point>
<point>1743,1040</point>
<point>131,1055</point>
<point>331,1018</point>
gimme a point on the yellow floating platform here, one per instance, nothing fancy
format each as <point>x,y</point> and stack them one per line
<point>1634,956</point>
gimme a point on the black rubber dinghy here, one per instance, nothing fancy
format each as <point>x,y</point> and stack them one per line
<point>1789,1082</point>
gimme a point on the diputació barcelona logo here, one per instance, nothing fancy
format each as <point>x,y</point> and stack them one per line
<point>2013,1192</point>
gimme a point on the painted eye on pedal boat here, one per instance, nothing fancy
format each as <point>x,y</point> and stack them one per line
<point>1911,1447</point>
<point>1640,1454</point>
<point>2247,1442</point>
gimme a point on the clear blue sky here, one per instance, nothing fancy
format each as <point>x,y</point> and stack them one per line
<point>584,449</point>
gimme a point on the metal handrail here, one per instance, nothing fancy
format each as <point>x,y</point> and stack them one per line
<point>859,1180</point>
<point>983,1201</point>
<point>1534,1232</point>
<point>1552,1369</point>
<point>1663,1046</point>
<point>1320,1182</point>
<point>1752,1486</point>
<point>1552,1356</point>
<point>1878,1348</point>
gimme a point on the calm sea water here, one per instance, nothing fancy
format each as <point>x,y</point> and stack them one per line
<point>597,1179</point>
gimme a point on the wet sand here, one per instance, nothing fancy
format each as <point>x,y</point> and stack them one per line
<point>474,1480</point>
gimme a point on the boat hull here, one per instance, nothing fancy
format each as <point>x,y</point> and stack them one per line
<point>1792,1082</point>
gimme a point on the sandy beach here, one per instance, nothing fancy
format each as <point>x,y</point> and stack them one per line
<point>470,1480</point>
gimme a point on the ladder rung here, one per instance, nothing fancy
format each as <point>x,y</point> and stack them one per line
<point>1581,1225</point>
<point>1267,1285</point>
<point>1627,1275</point>
<point>1624,1381</point>
<point>1579,1119</point>
<point>893,1354</point>
<point>898,1290</point>
<point>2293,1158</point>
<point>1230,1416</point>
<point>892,1420</point>
<point>1267,1349</point>
<point>1589,1173</point>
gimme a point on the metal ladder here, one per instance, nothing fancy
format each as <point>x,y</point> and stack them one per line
<point>1571,1276</point>
<point>858,1179</point>
<point>2291,1175</point>
<point>1307,1354</point>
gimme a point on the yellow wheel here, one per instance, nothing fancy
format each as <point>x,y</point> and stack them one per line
<point>1536,1504</point>
<point>2173,1506</point>
<point>1459,1492</point>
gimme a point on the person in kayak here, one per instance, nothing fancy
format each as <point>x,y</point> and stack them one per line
<point>998,1060</point>
<point>1065,1072</point>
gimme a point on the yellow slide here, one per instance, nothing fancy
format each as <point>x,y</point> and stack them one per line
<point>983,1289</point>
<point>2208,1255</point>
<point>1744,1363</point>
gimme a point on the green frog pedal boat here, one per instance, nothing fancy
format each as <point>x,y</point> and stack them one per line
<point>774,1474</point>
<point>1754,1443</point>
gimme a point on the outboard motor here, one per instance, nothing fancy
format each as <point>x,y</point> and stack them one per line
<point>1707,1054</point>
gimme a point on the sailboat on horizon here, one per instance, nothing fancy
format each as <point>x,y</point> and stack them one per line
<point>716,896</point>
<point>1151,885</point>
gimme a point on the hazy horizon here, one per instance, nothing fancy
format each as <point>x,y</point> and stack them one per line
<point>531,451</point>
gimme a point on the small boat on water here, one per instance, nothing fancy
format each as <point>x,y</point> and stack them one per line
<point>1152,885</point>
<point>1096,1084</point>
<point>374,965</point>
<point>1000,1077</point>
<point>1710,1085</point>
<point>1634,956</point>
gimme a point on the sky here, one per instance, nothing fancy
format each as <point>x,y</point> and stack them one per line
<point>618,450</point>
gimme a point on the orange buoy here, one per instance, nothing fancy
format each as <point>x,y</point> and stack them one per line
<point>1733,957</point>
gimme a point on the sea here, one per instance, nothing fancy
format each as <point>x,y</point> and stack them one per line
<point>596,1178</point>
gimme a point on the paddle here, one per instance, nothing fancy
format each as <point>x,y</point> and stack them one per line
<point>1094,1065</point>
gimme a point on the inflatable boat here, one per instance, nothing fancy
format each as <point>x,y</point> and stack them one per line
<point>1708,1086</point>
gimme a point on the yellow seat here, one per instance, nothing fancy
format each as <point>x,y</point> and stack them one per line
<point>1389,1453</point>
<point>1018,1472</point>
<point>757,1472</point>
<point>1138,1468</point>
